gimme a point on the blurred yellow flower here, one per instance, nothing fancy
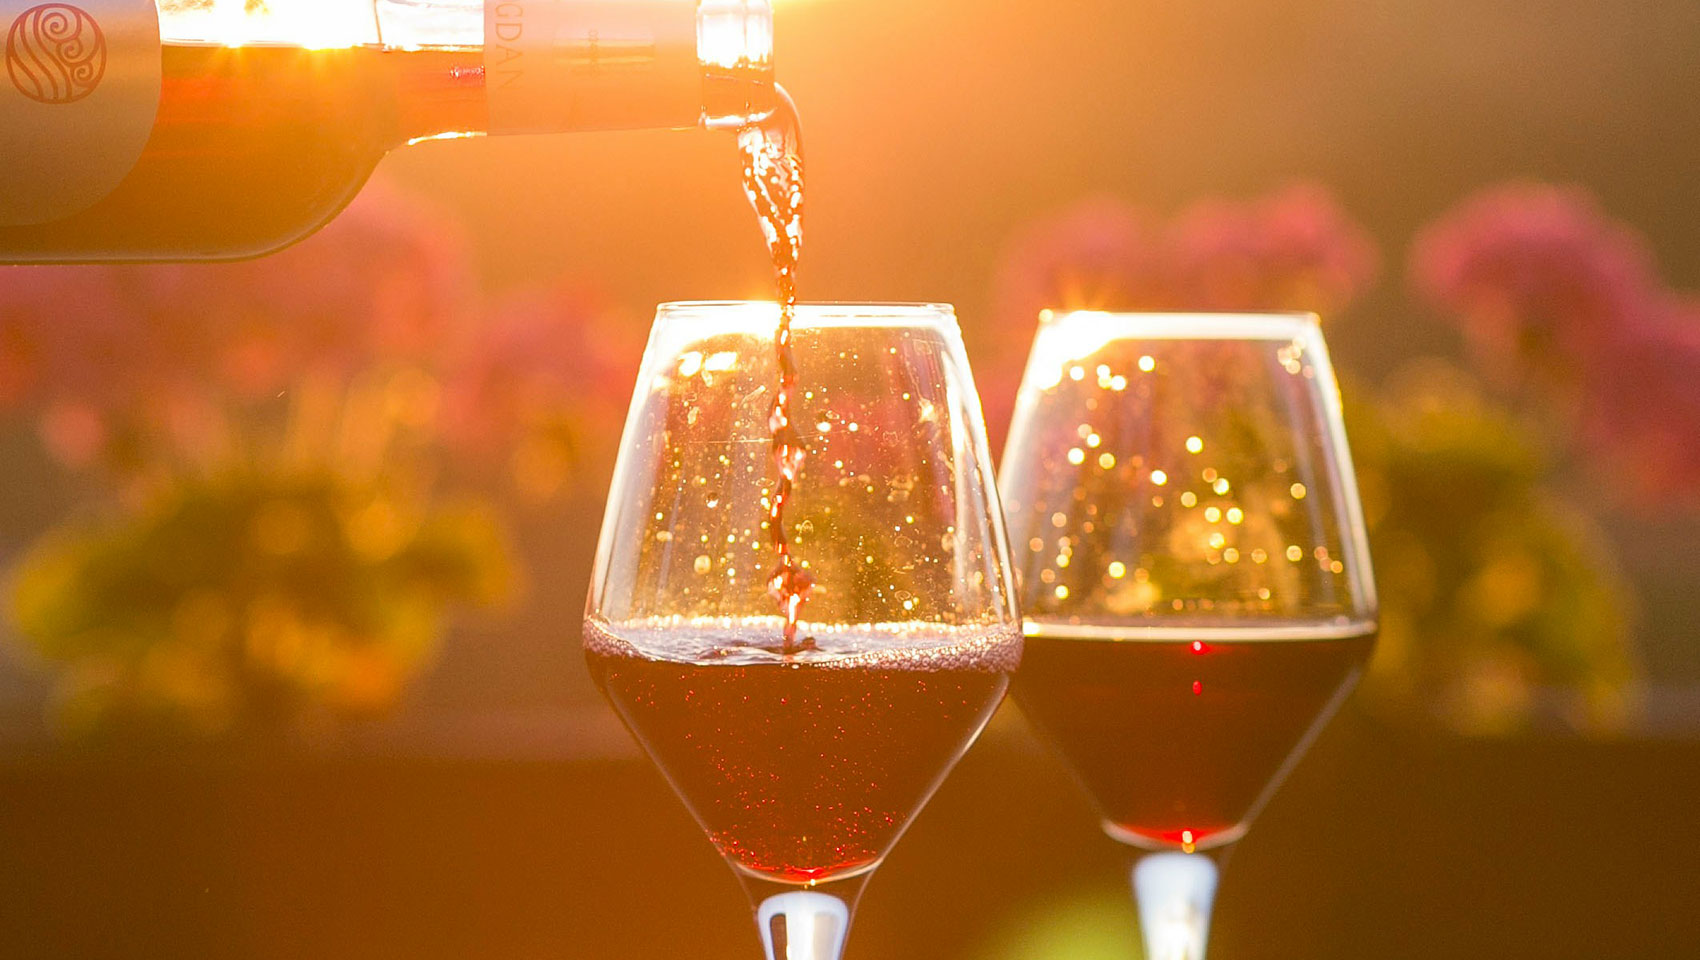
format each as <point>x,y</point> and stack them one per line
<point>248,604</point>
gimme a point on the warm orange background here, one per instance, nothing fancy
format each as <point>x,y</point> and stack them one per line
<point>935,128</point>
<point>509,816</point>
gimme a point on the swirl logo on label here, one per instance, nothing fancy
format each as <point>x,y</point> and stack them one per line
<point>55,53</point>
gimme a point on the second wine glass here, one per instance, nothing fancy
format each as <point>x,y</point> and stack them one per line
<point>804,761</point>
<point>1193,573</point>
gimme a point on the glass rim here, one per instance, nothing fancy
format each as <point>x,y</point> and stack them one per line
<point>1169,628</point>
<point>1189,325</point>
<point>815,314</point>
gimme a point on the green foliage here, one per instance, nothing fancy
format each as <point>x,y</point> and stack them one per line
<point>1502,608</point>
<point>1090,925</point>
<point>250,604</point>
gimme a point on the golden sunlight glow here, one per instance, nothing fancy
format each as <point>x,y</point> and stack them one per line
<point>457,135</point>
<point>313,24</point>
<point>735,33</point>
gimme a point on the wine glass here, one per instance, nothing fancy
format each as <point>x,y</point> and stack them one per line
<point>804,762</point>
<point>1191,561</point>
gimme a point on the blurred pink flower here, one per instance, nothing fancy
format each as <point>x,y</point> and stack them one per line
<point>543,375</point>
<point>75,433</point>
<point>1567,299</point>
<point>387,281</point>
<point>1295,249</point>
<point>1539,279</point>
<point>131,346</point>
<point>72,334</point>
<point>1100,254</point>
<point>20,359</point>
<point>1641,409</point>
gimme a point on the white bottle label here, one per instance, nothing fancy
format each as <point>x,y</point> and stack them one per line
<point>559,65</point>
<point>77,102</point>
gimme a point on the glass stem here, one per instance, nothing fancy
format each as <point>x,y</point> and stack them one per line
<point>1175,892</point>
<point>803,925</point>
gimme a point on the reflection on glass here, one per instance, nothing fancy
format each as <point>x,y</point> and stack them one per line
<point>1196,588</point>
<point>804,762</point>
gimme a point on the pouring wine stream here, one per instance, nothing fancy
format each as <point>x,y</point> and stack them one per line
<point>773,180</point>
<point>795,924</point>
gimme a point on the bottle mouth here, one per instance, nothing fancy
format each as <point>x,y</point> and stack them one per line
<point>735,49</point>
<point>735,34</point>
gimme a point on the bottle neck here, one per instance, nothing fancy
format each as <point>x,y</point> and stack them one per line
<point>470,67</point>
<point>444,94</point>
<point>440,94</point>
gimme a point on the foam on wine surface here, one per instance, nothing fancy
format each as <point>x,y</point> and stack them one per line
<point>708,641</point>
<point>802,767</point>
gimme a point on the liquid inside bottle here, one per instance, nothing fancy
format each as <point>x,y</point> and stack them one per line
<point>267,125</point>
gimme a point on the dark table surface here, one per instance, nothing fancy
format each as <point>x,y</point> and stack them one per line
<point>1385,843</point>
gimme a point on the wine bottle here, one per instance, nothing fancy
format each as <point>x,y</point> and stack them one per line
<point>147,130</point>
